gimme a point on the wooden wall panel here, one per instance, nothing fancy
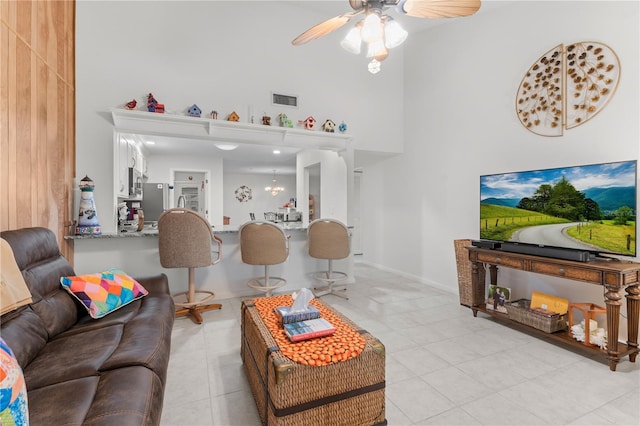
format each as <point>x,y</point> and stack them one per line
<point>37,124</point>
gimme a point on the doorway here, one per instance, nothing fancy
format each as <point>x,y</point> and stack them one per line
<point>190,190</point>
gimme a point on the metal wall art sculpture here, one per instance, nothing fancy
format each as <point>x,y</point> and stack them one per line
<point>567,87</point>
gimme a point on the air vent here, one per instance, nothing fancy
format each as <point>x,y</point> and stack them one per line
<point>286,100</point>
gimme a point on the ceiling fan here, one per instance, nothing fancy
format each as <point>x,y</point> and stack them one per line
<point>380,32</point>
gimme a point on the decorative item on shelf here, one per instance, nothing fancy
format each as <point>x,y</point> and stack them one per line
<point>567,87</point>
<point>233,117</point>
<point>131,104</point>
<point>266,120</point>
<point>284,120</point>
<point>214,115</point>
<point>381,32</point>
<point>342,127</point>
<point>243,194</point>
<point>308,122</point>
<point>153,105</point>
<point>498,298</point>
<point>123,213</point>
<point>329,126</point>
<point>87,215</point>
<point>194,111</point>
<point>549,302</point>
<point>274,189</point>
<point>587,331</point>
<point>545,320</point>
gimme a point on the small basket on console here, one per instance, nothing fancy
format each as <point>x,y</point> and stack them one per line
<point>519,311</point>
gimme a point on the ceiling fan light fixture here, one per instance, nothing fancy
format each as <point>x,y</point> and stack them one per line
<point>394,34</point>
<point>378,28</point>
<point>352,42</point>
<point>374,66</point>
<point>377,51</point>
<point>372,28</point>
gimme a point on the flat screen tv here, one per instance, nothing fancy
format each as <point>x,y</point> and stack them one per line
<point>589,208</point>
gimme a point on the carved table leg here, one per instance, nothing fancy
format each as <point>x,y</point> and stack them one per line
<point>477,283</point>
<point>633,318</point>
<point>612,300</point>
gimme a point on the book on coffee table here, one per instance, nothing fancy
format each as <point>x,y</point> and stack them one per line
<point>303,330</point>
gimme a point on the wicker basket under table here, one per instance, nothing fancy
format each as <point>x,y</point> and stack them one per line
<point>518,311</point>
<point>469,296</point>
<point>286,393</point>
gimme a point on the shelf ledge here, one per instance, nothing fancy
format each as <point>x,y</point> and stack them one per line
<point>181,126</point>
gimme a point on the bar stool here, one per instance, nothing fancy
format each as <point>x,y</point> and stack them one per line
<point>329,239</point>
<point>186,240</point>
<point>264,243</point>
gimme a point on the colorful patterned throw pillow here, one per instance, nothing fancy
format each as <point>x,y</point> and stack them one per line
<point>104,292</point>
<point>13,390</point>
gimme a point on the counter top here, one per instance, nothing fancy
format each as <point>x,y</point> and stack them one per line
<point>152,231</point>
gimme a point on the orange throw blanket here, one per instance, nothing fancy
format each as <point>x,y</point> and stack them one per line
<point>344,344</point>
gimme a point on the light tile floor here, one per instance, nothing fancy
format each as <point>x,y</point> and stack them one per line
<point>444,367</point>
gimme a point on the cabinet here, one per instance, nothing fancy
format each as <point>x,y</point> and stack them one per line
<point>127,154</point>
<point>615,276</point>
<point>122,166</point>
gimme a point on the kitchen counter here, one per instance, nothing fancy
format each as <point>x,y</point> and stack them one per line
<point>137,254</point>
<point>152,231</point>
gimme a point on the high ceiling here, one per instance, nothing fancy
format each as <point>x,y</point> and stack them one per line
<point>257,159</point>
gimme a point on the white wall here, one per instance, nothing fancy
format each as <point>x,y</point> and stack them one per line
<point>451,103</point>
<point>460,122</point>
<point>222,55</point>
<point>261,201</point>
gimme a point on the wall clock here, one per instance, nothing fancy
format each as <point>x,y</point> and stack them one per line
<point>567,87</point>
<point>243,194</point>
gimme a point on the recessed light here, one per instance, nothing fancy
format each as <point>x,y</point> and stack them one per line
<point>226,146</point>
<point>276,151</point>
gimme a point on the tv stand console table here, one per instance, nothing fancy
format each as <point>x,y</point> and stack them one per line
<point>614,275</point>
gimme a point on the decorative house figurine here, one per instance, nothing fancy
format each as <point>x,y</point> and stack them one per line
<point>87,216</point>
<point>233,117</point>
<point>342,127</point>
<point>329,126</point>
<point>308,122</point>
<point>131,104</point>
<point>284,120</point>
<point>214,115</point>
<point>194,111</point>
<point>266,120</point>
<point>153,105</point>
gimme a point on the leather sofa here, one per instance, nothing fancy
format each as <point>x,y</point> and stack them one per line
<point>79,370</point>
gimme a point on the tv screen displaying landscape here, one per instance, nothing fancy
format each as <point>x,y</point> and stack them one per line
<point>588,207</point>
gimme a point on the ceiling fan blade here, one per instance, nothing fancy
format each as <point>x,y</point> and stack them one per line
<point>440,8</point>
<point>324,28</point>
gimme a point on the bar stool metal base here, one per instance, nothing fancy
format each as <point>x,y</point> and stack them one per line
<point>330,277</point>
<point>266,283</point>
<point>194,306</point>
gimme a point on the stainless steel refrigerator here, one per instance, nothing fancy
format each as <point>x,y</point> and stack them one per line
<point>156,198</point>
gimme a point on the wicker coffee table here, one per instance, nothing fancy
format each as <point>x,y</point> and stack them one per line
<point>288,393</point>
